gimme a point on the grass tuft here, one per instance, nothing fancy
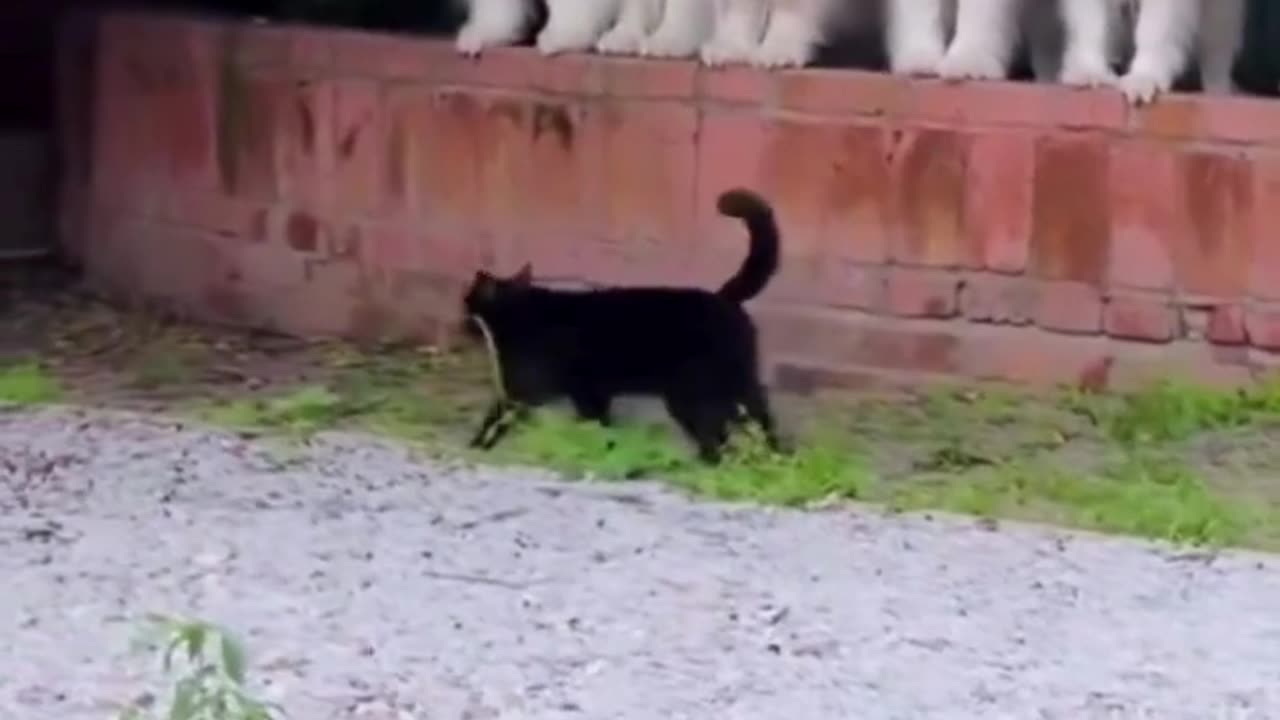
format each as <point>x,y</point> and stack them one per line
<point>28,383</point>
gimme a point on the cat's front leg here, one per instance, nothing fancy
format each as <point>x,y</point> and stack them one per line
<point>1165,33</point>
<point>635,20</point>
<point>498,420</point>
<point>685,26</point>
<point>916,36</point>
<point>492,23</point>
<point>575,25</point>
<point>739,25</point>
<point>986,34</point>
<point>1090,28</point>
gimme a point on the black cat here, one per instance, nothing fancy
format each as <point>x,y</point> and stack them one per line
<point>696,349</point>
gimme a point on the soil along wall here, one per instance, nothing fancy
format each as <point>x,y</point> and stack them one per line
<point>335,182</point>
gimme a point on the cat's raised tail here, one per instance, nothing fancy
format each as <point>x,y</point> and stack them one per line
<point>762,258</point>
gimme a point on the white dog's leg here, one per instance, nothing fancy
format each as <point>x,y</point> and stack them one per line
<point>685,26</point>
<point>635,20</point>
<point>987,31</point>
<point>575,25</point>
<point>491,23</point>
<point>1045,35</point>
<point>739,27</point>
<point>796,28</point>
<point>917,32</point>
<point>1166,31</point>
<point>1089,28</point>
<point>1221,35</point>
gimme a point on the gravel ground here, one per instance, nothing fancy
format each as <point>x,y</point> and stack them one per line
<point>370,584</point>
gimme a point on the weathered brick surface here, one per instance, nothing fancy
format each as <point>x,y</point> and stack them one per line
<point>341,182</point>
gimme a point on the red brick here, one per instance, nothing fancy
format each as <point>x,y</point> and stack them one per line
<point>384,56</point>
<point>1135,317</point>
<point>923,293</point>
<point>1215,256</point>
<point>1071,223</point>
<point>360,135</point>
<point>929,185</point>
<point>1147,214</point>
<point>1069,308</point>
<point>306,143</point>
<point>1263,326</point>
<point>302,232</point>
<point>634,78</point>
<point>1014,103</point>
<point>842,92</point>
<point>1263,221</point>
<point>247,134</point>
<point>997,212</point>
<point>737,84</point>
<point>1196,117</point>
<point>839,339</point>
<point>831,185</point>
<point>730,149</point>
<point>999,299</point>
<point>220,214</point>
<point>281,47</point>
<point>648,172</point>
<point>1227,325</point>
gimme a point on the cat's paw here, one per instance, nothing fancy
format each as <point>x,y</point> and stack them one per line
<point>971,64</point>
<point>772,56</point>
<point>621,40</point>
<point>919,60</point>
<point>1087,73</point>
<point>1142,87</point>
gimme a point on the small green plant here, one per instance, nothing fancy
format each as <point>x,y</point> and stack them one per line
<point>28,383</point>
<point>1170,411</point>
<point>304,410</point>
<point>622,452</point>
<point>211,669</point>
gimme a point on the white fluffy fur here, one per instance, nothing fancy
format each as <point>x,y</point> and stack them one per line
<point>491,23</point>
<point>1164,36</point>
<point>954,38</point>
<point>572,25</point>
<point>773,33</point>
<point>659,28</point>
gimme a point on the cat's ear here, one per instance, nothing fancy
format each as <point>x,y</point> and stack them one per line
<point>484,286</point>
<point>524,277</point>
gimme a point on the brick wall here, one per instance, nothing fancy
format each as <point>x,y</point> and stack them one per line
<point>336,182</point>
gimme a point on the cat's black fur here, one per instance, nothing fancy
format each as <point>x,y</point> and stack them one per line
<point>694,348</point>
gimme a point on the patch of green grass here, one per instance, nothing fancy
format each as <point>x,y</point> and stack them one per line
<point>162,369</point>
<point>303,411</point>
<point>748,472</point>
<point>1146,495</point>
<point>1171,411</point>
<point>28,383</point>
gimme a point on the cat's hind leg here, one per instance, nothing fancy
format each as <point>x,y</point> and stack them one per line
<point>704,420</point>
<point>793,34</point>
<point>592,405</point>
<point>1222,28</point>
<point>739,27</point>
<point>1166,32</point>
<point>756,402</point>
<point>917,31</point>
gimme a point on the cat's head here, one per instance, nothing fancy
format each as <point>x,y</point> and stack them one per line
<point>488,291</point>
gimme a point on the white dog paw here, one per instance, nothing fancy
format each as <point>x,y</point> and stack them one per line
<point>621,41</point>
<point>917,60</point>
<point>1142,87</point>
<point>670,45</point>
<point>971,65</point>
<point>718,53</point>
<point>1087,73</point>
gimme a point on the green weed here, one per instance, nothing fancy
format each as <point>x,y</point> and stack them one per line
<point>302,411</point>
<point>28,383</point>
<point>213,669</point>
